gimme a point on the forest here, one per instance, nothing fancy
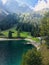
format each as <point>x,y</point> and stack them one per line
<point>24,22</point>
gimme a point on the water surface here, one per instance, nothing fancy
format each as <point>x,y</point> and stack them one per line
<point>11,52</point>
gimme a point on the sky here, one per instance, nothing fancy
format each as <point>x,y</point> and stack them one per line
<point>33,4</point>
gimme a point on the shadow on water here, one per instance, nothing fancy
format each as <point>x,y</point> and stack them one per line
<point>11,51</point>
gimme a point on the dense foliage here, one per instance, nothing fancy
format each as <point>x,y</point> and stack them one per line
<point>24,22</point>
<point>32,57</point>
<point>10,34</point>
<point>7,23</point>
<point>29,24</point>
<point>45,27</point>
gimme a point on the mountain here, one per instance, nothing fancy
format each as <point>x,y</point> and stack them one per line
<point>8,21</point>
<point>43,11</point>
<point>3,14</point>
<point>14,7</point>
<point>1,4</point>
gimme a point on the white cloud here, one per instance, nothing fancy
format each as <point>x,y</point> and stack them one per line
<point>41,4</point>
<point>4,1</point>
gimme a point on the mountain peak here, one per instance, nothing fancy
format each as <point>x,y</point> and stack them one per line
<point>21,6</point>
<point>14,6</point>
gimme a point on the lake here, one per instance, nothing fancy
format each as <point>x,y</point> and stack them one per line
<point>11,52</point>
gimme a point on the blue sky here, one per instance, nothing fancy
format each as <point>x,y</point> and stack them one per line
<point>33,4</point>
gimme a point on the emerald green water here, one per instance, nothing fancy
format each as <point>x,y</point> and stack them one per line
<point>11,52</point>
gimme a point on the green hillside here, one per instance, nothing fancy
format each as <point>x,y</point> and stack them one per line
<point>4,34</point>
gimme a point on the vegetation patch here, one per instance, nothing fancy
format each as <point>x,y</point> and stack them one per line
<point>45,54</point>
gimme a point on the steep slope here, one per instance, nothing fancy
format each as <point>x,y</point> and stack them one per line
<point>8,22</point>
<point>3,14</point>
<point>13,6</point>
<point>43,11</point>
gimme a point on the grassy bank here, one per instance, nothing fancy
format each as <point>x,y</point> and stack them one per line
<point>14,35</point>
